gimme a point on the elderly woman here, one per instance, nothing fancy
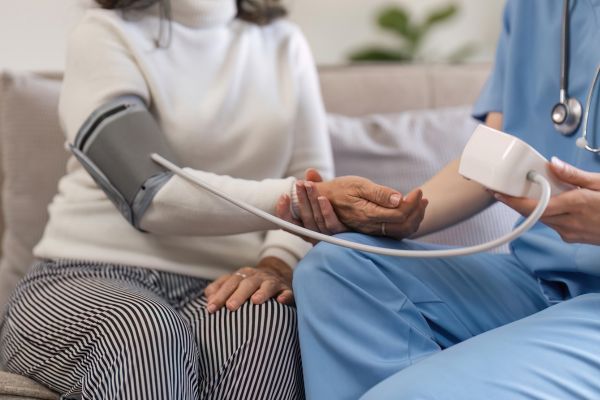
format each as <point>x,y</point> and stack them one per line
<point>115,311</point>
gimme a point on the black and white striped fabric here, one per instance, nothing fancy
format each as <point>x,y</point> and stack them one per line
<point>97,331</point>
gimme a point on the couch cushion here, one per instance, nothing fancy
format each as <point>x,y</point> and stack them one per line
<point>33,159</point>
<point>404,150</point>
<point>364,89</point>
<point>18,387</point>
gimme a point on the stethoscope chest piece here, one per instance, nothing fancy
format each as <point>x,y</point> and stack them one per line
<point>567,115</point>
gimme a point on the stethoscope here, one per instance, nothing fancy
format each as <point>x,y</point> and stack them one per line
<point>567,114</point>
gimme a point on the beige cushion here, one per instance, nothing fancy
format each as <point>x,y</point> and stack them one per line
<point>382,89</point>
<point>33,159</point>
<point>17,387</point>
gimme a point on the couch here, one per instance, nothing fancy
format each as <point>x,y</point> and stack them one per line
<point>33,153</point>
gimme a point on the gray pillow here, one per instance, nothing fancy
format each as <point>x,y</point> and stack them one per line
<point>33,160</point>
<point>404,150</point>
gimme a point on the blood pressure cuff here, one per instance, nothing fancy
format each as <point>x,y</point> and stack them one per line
<point>114,145</point>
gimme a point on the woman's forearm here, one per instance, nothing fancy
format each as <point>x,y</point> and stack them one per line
<point>182,209</point>
<point>452,198</point>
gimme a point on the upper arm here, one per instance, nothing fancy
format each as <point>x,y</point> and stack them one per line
<point>491,98</point>
<point>100,67</point>
<point>312,147</point>
<point>495,120</point>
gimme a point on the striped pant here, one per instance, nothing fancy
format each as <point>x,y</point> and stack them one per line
<point>97,331</point>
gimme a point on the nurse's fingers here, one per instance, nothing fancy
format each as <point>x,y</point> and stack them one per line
<point>574,176</point>
<point>570,228</point>
<point>563,203</point>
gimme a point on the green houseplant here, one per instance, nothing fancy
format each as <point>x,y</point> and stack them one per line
<point>411,34</point>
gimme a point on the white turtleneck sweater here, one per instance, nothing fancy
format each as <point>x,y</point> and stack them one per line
<point>239,104</point>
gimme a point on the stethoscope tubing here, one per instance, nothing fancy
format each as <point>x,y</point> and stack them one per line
<point>586,115</point>
<point>527,224</point>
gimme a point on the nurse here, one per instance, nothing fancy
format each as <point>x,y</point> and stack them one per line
<point>492,326</point>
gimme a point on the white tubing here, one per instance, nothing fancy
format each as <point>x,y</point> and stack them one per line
<point>288,226</point>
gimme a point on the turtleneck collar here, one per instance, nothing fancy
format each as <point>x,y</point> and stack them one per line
<point>203,13</point>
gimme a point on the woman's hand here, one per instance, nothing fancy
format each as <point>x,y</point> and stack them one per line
<point>355,203</point>
<point>316,212</point>
<point>272,278</point>
<point>575,214</point>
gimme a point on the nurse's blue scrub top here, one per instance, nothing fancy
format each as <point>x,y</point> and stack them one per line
<point>524,86</point>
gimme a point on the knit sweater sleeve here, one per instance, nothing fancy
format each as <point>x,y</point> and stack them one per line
<point>100,67</point>
<point>312,148</point>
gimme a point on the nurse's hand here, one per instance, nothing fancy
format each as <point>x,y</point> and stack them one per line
<point>575,214</point>
<point>272,278</point>
<point>354,203</point>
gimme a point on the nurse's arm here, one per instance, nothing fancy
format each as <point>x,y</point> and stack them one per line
<point>575,214</point>
<point>452,198</point>
<point>444,200</point>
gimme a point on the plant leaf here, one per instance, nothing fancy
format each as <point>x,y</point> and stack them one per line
<point>440,15</point>
<point>395,19</point>
<point>379,54</point>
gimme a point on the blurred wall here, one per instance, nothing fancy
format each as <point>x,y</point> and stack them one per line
<point>32,32</point>
<point>336,27</point>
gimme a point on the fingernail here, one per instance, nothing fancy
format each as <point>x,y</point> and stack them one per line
<point>309,186</point>
<point>498,196</point>
<point>395,200</point>
<point>232,305</point>
<point>558,163</point>
<point>211,308</point>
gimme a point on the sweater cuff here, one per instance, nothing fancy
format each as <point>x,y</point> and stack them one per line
<point>294,204</point>
<point>285,246</point>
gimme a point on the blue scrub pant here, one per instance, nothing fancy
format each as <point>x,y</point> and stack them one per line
<point>375,326</point>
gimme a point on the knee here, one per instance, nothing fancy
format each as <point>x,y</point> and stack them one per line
<point>271,330</point>
<point>584,307</point>
<point>137,324</point>
<point>277,321</point>
<point>324,263</point>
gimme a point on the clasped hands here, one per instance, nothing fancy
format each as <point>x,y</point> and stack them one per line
<point>353,203</point>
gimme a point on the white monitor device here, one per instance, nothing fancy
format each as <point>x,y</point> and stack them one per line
<point>501,162</point>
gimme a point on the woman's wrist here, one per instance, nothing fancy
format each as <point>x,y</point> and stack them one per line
<point>295,203</point>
